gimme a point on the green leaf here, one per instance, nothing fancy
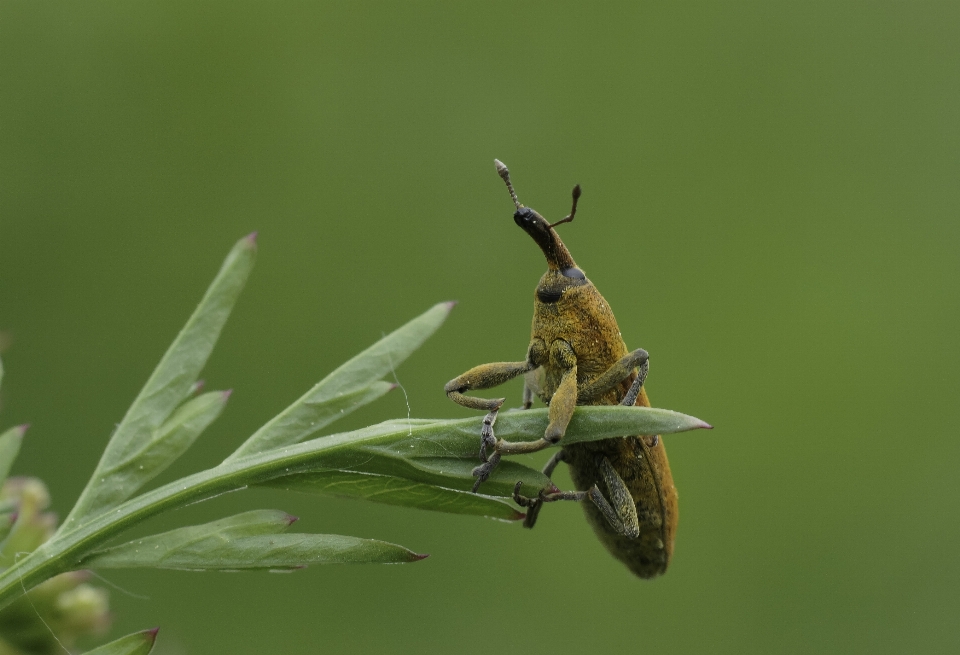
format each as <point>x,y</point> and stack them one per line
<point>139,643</point>
<point>167,443</point>
<point>590,422</point>
<point>448,440</point>
<point>249,541</point>
<point>309,414</point>
<point>396,491</point>
<point>171,381</point>
<point>9,448</point>
<point>444,453</point>
<point>342,390</point>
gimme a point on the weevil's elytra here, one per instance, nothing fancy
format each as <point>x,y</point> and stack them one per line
<point>576,356</point>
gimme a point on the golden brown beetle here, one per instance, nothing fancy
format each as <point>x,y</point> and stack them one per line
<point>577,357</point>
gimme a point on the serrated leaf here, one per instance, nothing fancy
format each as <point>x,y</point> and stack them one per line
<point>139,643</point>
<point>173,378</point>
<point>9,449</point>
<point>249,541</point>
<point>309,414</point>
<point>396,491</point>
<point>171,440</point>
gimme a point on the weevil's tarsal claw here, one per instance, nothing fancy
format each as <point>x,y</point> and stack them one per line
<point>482,472</point>
<point>487,438</point>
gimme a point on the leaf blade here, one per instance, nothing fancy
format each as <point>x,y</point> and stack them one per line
<point>396,491</point>
<point>10,442</point>
<point>171,440</point>
<point>138,643</point>
<point>248,541</point>
<point>174,376</point>
<point>301,419</point>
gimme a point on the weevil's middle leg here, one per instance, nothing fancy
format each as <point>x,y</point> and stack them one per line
<point>614,375</point>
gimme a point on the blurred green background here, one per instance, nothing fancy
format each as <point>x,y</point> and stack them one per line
<point>770,205</point>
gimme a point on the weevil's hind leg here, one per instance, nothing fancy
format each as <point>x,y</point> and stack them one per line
<point>621,500</point>
<point>621,514</point>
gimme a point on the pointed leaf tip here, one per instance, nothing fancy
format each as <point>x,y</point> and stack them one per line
<point>22,429</point>
<point>252,237</point>
<point>152,633</point>
<point>417,557</point>
<point>451,304</point>
<point>291,519</point>
<point>226,394</point>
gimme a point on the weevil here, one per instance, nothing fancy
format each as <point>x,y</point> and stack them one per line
<point>576,357</point>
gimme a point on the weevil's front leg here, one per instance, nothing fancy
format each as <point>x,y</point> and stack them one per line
<point>562,404</point>
<point>621,514</point>
<point>486,376</point>
<point>615,375</point>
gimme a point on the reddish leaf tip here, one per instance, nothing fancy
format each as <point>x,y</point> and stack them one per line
<point>451,304</point>
<point>705,425</point>
<point>23,428</point>
<point>227,393</point>
<point>393,385</point>
<point>198,386</point>
<point>518,516</point>
<point>252,237</point>
<point>151,634</point>
<point>291,519</point>
<point>417,557</point>
<point>14,515</point>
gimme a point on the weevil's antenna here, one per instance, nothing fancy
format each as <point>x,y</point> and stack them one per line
<point>573,212</point>
<point>505,174</point>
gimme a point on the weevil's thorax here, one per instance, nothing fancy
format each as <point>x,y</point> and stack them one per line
<point>573,310</point>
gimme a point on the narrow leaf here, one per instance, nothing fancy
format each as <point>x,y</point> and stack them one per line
<point>247,541</point>
<point>173,378</point>
<point>396,491</point>
<point>309,414</point>
<point>139,643</point>
<point>171,440</point>
<point>444,453</point>
<point>9,448</point>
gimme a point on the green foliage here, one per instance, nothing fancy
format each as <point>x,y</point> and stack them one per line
<point>408,462</point>
<point>139,643</point>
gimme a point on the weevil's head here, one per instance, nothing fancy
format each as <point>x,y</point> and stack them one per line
<point>563,271</point>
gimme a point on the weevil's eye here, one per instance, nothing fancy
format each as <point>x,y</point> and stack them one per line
<point>573,272</point>
<point>549,295</point>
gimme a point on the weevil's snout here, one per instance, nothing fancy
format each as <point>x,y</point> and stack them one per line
<point>558,257</point>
